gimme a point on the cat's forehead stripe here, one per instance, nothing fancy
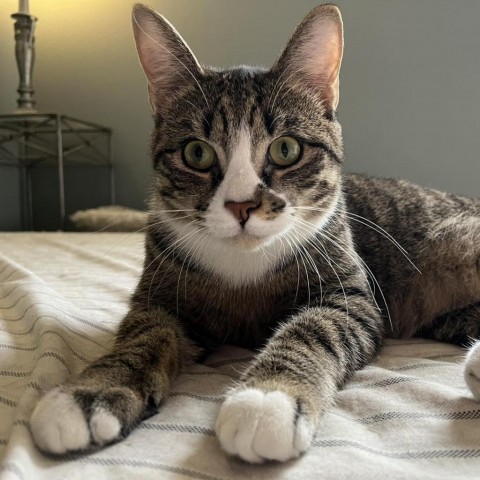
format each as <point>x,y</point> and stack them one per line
<point>240,180</point>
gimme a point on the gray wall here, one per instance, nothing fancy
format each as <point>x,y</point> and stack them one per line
<point>410,82</point>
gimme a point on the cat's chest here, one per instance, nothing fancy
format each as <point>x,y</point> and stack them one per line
<point>242,315</point>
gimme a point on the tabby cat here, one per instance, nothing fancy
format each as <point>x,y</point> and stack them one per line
<point>255,238</point>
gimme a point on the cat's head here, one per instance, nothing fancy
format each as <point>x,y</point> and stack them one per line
<point>245,155</point>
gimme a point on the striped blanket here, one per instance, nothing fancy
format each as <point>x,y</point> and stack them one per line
<point>408,415</point>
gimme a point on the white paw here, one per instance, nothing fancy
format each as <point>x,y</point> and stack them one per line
<point>58,424</point>
<point>259,426</point>
<point>105,426</point>
<point>472,370</point>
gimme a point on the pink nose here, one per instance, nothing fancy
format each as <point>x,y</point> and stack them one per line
<point>241,211</point>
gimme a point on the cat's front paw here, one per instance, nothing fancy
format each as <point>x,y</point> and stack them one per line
<point>68,420</point>
<point>472,370</point>
<point>259,426</point>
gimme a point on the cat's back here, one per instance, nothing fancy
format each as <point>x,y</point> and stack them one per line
<point>361,188</point>
<point>387,215</point>
<point>399,205</point>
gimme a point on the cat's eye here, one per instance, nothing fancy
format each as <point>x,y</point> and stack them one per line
<point>199,155</point>
<point>285,151</point>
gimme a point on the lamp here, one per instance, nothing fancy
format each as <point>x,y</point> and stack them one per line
<point>25,55</point>
<point>29,138</point>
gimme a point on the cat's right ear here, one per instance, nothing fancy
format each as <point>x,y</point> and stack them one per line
<point>165,57</point>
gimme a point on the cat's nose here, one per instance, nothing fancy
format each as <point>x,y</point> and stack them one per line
<point>241,210</point>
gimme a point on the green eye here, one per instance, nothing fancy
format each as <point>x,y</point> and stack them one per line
<point>199,155</point>
<point>285,151</point>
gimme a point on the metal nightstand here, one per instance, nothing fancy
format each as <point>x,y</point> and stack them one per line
<point>27,139</point>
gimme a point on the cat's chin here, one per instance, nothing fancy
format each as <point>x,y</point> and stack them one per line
<point>247,242</point>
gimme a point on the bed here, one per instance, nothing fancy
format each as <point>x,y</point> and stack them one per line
<point>408,415</point>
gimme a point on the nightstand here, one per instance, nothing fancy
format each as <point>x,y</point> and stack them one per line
<point>28,139</point>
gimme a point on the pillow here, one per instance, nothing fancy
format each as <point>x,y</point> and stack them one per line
<point>112,218</point>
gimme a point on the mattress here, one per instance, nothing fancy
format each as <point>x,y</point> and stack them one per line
<point>407,415</point>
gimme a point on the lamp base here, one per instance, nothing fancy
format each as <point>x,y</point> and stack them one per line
<point>25,55</point>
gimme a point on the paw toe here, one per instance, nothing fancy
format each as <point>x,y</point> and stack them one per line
<point>472,370</point>
<point>259,426</point>
<point>105,426</point>
<point>276,428</point>
<point>58,424</point>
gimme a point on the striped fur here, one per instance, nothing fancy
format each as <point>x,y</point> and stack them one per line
<point>293,282</point>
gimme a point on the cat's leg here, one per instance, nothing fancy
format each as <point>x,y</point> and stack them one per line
<point>113,394</point>
<point>472,370</point>
<point>273,413</point>
<point>449,260</point>
<point>459,326</point>
<point>462,327</point>
<point>455,286</point>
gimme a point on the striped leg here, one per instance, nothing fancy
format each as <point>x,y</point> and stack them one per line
<point>462,327</point>
<point>113,394</point>
<point>273,413</point>
<point>459,326</point>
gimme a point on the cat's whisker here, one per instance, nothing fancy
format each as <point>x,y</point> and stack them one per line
<point>294,250</point>
<point>187,255</point>
<point>314,266</point>
<point>292,75</point>
<point>167,252</point>
<point>278,117</point>
<point>306,273</point>
<point>327,236</point>
<point>170,251</point>
<point>268,255</point>
<point>374,226</point>
<point>284,255</point>
<point>379,229</point>
<point>346,250</point>
<point>158,223</point>
<point>178,210</point>
<point>146,227</point>
<point>327,259</point>
<point>199,111</point>
<point>274,90</point>
<point>365,266</point>
<point>264,253</point>
<point>205,237</point>
<point>292,85</point>
<point>111,224</point>
<point>309,257</point>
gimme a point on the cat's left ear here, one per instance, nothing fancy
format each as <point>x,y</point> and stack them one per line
<point>314,54</point>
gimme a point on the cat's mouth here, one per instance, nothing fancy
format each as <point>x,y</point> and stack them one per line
<point>251,241</point>
<point>247,241</point>
<point>250,234</point>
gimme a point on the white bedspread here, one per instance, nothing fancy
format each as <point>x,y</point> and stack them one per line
<point>408,415</point>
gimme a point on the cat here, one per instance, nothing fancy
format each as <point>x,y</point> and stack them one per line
<point>256,238</point>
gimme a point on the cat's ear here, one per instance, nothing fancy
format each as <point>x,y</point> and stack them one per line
<point>314,54</point>
<point>165,57</point>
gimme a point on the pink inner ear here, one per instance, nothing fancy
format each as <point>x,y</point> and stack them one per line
<point>164,55</point>
<point>319,57</point>
<point>152,50</point>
